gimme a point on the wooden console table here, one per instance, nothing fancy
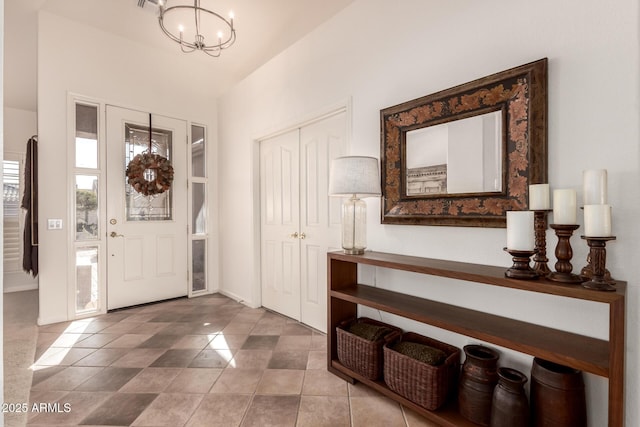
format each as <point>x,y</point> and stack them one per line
<point>600,357</point>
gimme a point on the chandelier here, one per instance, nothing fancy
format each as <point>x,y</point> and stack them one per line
<point>197,28</point>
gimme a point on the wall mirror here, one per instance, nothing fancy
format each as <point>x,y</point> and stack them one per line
<point>466,155</point>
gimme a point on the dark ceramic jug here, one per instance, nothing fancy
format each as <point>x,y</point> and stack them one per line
<point>477,381</point>
<point>510,406</point>
<point>557,395</point>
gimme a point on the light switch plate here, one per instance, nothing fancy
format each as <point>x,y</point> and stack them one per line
<point>54,224</point>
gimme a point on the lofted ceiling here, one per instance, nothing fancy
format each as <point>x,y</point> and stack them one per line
<point>264,29</point>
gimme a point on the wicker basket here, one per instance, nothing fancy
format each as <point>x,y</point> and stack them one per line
<point>361,355</point>
<point>428,386</point>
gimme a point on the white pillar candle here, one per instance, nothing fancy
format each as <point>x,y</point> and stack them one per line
<point>538,197</point>
<point>594,183</point>
<point>564,206</point>
<point>597,220</point>
<point>520,231</point>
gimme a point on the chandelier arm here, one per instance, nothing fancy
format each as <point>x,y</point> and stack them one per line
<point>199,43</point>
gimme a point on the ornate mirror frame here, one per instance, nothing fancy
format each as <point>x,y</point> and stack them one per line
<point>521,94</point>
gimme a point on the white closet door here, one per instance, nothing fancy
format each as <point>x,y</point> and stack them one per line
<point>299,221</point>
<point>319,214</point>
<point>280,223</point>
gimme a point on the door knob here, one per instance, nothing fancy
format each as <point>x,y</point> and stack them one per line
<point>303,236</point>
<point>114,234</point>
<point>294,235</point>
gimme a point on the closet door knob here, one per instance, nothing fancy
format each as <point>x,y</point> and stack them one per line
<point>294,235</point>
<point>303,236</point>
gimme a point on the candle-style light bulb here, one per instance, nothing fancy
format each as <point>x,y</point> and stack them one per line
<point>181,28</point>
<point>231,16</point>
<point>219,37</point>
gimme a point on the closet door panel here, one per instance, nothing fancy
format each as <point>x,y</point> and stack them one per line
<point>320,142</point>
<point>280,223</point>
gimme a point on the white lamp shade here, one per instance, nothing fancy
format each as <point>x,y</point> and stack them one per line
<point>357,175</point>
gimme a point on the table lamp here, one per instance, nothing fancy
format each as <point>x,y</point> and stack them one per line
<point>354,177</point>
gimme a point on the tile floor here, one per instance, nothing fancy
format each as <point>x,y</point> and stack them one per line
<point>206,361</point>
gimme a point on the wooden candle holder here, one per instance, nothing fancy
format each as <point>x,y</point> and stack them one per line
<point>520,268</point>
<point>540,259</point>
<point>564,253</point>
<point>597,261</point>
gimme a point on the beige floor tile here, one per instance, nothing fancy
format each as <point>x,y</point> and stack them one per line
<point>238,328</point>
<point>227,342</point>
<point>128,341</point>
<point>361,390</point>
<point>323,411</point>
<point>281,382</point>
<point>151,380</point>
<point>317,359</point>
<point>54,356</point>
<point>294,342</point>
<point>279,411</point>
<point>376,412</point>
<point>267,329</point>
<point>414,419</point>
<point>225,410</point>
<point>151,327</point>
<point>198,342</point>
<point>194,380</point>
<point>139,357</point>
<point>169,410</point>
<point>254,390</point>
<point>319,342</point>
<point>250,359</point>
<point>319,382</point>
<point>68,379</point>
<point>45,338</point>
<point>97,340</point>
<point>102,357</point>
<point>237,381</point>
<point>251,315</point>
<point>122,328</point>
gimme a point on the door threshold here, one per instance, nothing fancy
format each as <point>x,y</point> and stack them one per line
<point>114,310</point>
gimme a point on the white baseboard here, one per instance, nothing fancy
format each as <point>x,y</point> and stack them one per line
<point>51,320</point>
<point>15,281</point>
<point>30,287</point>
<point>238,298</point>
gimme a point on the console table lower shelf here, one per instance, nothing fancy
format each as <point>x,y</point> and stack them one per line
<point>447,416</point>
<point>604,358</point>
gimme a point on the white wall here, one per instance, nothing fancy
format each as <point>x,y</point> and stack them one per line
<point>380,54</point>
<point>74,58</point>
<point>19,126</point>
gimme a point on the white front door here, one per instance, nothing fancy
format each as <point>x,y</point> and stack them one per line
<point>146,235</point>
<point>280,223</point>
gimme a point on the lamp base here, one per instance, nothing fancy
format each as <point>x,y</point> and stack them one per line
<point>353,251</point>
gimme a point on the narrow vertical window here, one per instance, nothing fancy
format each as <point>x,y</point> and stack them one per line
<point>87,279</point>
<point>199,235</point>
<point>198,157</point>
<point>86,136</point>
<point>87,226</point>
<point>199,257</point>
<point>87,178</point>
